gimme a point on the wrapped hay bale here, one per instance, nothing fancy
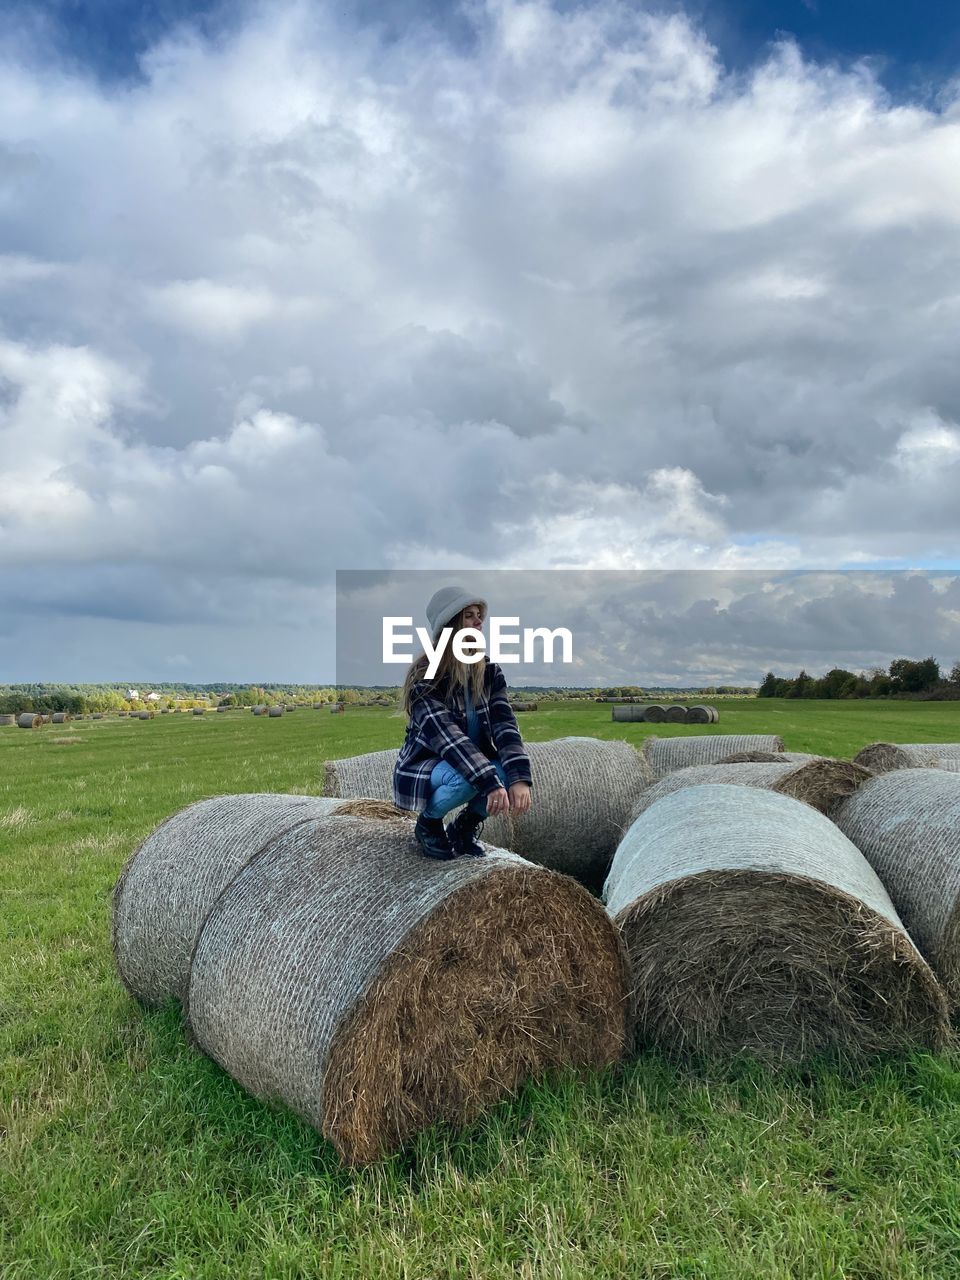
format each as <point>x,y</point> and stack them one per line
<point>770,757</point>
<point>171,880</point>
<point>259,710</point>
<point>8,719</point>
<point>164,711</point>
<point>655,713</point>
<point>97,715</point>
<point>274,712</point>
<point>702,715</point>
<point>376,992</point>
<point>666,754</point>
<point>752,923</point>
<point>60,717</point>
<point>822,784</point>
<point>881,757</point>
<point>583,789</point>
<point>29,720</point>
<point>676,715</point>
<point>906,823</point>
<point>336,708</point>
<point>623,714</point>
<point>199,711</point>
<point>517,706</point>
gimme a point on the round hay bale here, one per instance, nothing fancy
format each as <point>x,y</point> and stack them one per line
<point>666,754</point>
<point>702,714</point>
<point>753,924</point>
<point>121,713</point>
<point>769,757</point>
<point>364,808</point>
<point>8,719</point>
<point>318,706</point>
<point>289,708</point>
<point>97,715</point>
<point>583,790</point>
<point>881,757</point>
<point>624,714</point>
<point>60,717</point>
<point>676,715</point>
<point>822,784</point>
<point>655,713</point>
<point>29,720</point>
<point>522,706</point>
<point>164,711</point>
<point>336,708</point>
<point>199,711</point>
<point>376,992</point>
<point>142,715</point>
<point>172,879</point>
<point>258,710</point>
<point>275,711</point>
<point>906,823</point>
<point>221,709</point>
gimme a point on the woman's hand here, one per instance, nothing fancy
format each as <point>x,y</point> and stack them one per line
<point>520,797</point>
<point>497,802</point>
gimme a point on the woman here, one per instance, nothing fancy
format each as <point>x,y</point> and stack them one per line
<point>462,745</point>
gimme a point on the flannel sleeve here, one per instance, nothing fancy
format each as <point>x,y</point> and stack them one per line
<point>443,736</point>
<point>506,732</point>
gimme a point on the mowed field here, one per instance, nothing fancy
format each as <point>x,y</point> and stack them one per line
<point>124,1152</point>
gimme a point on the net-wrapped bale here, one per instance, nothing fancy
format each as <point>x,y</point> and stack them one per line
<point>823,784</point>
<point>753,924</point>
<point>676,715</point>
<point>627,714</point>
<point>336,708</point>
<point>655,713</point>
<point>906,822</point>
<point>259,710</point>
<point>8,719</point>
<point>517,706</point>
<point>198,711</point>
<point>60,717</point>
<point>275,711</point>
<point>881,757</point>
<point>376,992</point>
<point>582,793</point>
<point>171,880</point>
<point>702,715</point>
<point>97,715</point>
<point>666,754</point>
<point>770,757</point>
<point>29,720</point>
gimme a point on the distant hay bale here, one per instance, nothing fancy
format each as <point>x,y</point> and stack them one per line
<point>702,715</point>
<point>219,709</point>
<point>906,822</point>
<point>524,706</point>
<point>823,784</point>
<point>753,924</point>
<point>198,711</point>
<point>666,754</point>
<point>336,708</point>
<point>655,713</point>
<point>769,757</point>
<point>259,710</point>
<point>7,719</point>
<point>623,714</point>
<point>29,720</point>
<point>174,876</point>
<point>881,757</point>
<point>275,711</point>
<point>164,711</point>
<point>97,715</point>
<point>377,993</point>
<point>289,708</point>
<point>60,717</point>
<point>676,715</point>
<point>582,793</point>
<point>318,706</point>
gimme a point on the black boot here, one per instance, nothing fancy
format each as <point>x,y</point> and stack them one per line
<point>462,833</point>
<point>433,839</point>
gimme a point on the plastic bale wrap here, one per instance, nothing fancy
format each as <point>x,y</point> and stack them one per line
<point>907,825</point>
<point>666,754</point>
<point>376,992</point>
<point>881,757</point>
<point>822,784</point>
<point>754,925</point>
<point>29,720</point>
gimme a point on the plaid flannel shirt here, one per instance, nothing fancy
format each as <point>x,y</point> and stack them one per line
<point>437,732</point>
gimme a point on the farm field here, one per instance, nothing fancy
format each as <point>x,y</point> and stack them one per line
<point>124,1152</point>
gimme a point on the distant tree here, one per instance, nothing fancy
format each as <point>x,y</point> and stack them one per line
<point>802,687</point>
<point>955,673</point>
<point>914,677</point>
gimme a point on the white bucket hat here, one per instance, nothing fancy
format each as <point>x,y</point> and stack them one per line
<point>445,604</point>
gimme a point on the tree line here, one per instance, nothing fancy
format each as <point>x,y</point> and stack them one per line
<point>904,678</point>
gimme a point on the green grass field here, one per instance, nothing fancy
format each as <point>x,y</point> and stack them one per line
<point>123,1152</point>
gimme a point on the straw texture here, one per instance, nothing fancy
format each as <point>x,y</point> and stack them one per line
<point>753,924</point>
<point>881,757</point>
<point>769,757</point>
<point>666,754</point>
<point>375,992</point>
<point>171,880</point>
<point>907,825</point>
<point>823,784</point>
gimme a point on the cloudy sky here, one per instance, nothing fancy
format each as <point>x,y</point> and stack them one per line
<point>299,287</point>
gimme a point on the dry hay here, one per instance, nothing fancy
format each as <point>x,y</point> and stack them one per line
<point>666,754</point>
<point>676,715</point>
<point>582,792</point>
<point>29,720</point>
<point>702,715</point>
<point>65,742</point>
<point>822,784</point>
<point>655,713</point>
<point>881,757</point>
<point>769,757</point>
<point>907,825</point>
<point>366,808</point>
<point>275,711</point>
<point>60,717</point>
<point>376,992</point>
<point>6,719</point>
<point>753,924</point>
<point>172,879</point>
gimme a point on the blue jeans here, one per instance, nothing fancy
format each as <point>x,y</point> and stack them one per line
<point>450,789</point>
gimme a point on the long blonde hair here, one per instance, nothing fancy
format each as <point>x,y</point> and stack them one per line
<point>451,673</point>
